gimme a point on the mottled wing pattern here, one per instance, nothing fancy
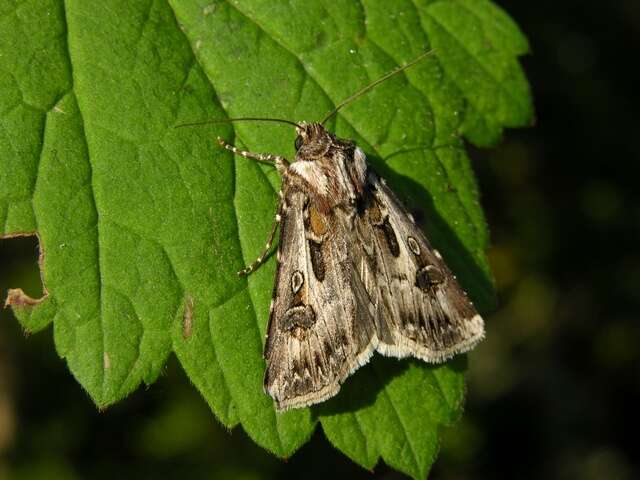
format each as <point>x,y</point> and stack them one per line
<point>321,326</point>
<point>421,310</point>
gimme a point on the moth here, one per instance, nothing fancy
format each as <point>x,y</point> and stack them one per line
<point>355,274</point>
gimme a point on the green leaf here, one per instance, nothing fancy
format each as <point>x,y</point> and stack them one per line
<point>144,225</point>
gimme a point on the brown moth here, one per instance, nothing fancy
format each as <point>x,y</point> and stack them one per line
<point>355,274</point>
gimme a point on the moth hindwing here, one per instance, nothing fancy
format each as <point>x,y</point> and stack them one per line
<point>355,275</point>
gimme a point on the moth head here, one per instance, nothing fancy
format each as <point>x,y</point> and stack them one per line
<point>312,140</point>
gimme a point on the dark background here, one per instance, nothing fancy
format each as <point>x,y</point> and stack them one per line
<point>554,391</point>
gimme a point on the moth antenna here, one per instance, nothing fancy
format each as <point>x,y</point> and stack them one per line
<point>238,119</point>
<point>364,90</point>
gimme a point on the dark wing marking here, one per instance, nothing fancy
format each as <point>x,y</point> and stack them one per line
<point>321,326</point>
<point>421,310</point>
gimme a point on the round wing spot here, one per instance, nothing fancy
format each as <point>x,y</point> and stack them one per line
<point>413,246</point>
<point>297,280</point>
<point>429,277</point>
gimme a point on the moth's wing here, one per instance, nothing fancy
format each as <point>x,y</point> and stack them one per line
<point>421,310</point>
<point>321,326</point>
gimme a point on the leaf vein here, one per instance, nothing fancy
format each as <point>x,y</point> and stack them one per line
<point>403,427</point>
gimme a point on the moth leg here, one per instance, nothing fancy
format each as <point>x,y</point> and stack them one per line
<point>280,163</point>
<point>258,261</point>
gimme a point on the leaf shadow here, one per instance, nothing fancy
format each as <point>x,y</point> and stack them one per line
<point>361,389</point>
<point>357,392</point>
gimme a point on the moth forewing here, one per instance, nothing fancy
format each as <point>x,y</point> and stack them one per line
<point>435,318</point>
<point>314,339</point>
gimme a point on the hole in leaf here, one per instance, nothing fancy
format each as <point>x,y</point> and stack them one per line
<point>20,258</point>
